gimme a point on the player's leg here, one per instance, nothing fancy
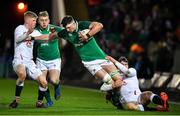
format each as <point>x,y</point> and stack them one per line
<point>42,65</point>
<point>21,73</point>
<point>114,73</point>
<point>114,99</point>
<point>37,75</point>
<point>134,106</point>
<point>54,78</point>
<point>47,93</point>
<point>42,90</point>
<point>54,67</point>
<point>148,96</point>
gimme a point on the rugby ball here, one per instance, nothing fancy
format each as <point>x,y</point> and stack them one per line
<point>85,31</point>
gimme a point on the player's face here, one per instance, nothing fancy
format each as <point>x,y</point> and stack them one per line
<point>43,21</point>
<point>125,64</point>
<point>71,27</point>
<point>31,22</point>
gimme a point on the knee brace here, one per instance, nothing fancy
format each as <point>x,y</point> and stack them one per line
<point>107,79</point>
<point>114,73</point>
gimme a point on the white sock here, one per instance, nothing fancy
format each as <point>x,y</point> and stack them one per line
<point>106,87</point>
<point>151,97</point>
<point>43,89</point>
<point>141,107</point>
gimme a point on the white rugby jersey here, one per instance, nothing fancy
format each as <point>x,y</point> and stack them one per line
<point>132,83</point>
<point>23,50</point>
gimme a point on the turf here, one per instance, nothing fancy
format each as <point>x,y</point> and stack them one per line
<point>74,101</point>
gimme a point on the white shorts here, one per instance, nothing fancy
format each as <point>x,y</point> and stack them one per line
<point>95,65</point>
<point>49,65</point>
<point>31,67</point>
<point>131,96</point>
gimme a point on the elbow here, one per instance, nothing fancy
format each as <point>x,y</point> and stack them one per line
<point>100,25</point>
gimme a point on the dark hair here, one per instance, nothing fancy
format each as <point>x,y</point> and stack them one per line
<point>66,20</point>
<point>123,59</point>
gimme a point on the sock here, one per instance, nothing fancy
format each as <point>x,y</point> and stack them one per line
<point>47,95</point>
<point>106,87</point>
<point>41,93</point>
<point>149,109</point>
<point>141,108</point>
<point>156,99</point>
<point>18,90</point>
<point>56,86</point>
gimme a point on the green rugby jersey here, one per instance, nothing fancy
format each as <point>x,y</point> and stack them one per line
<point>48,50</point>
<point>88,51</point>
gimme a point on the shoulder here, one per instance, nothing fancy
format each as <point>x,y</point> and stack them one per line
<point>58,28</point>
<point>84,24</point>
<point>20,27</point>
<point>132,71</point>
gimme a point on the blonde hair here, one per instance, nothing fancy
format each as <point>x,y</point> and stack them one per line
<point>30,14</point>
<point>43,13</point>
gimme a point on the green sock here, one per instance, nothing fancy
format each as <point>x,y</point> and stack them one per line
<point>47,95</point>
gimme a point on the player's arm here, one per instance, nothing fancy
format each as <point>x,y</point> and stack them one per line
<point>21,36</point>
<point>40,37</point>
<point>128,72</point>
<point>94,28</point>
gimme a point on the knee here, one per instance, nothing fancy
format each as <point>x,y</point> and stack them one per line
<point>148,94</point>
<point>131,106</point>
<point>43,83</point>
<point>21,75</point>
<point>55,81</point>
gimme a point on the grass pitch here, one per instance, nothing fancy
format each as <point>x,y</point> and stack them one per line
<point>74,101</point>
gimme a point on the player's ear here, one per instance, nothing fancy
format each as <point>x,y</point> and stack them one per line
<point>38,21</point>
<point>49,21</point>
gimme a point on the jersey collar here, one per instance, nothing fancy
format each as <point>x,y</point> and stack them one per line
<point>46,29</point>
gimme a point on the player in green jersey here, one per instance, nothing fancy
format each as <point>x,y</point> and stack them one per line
<point>81,35</point>
<point>48,55</point>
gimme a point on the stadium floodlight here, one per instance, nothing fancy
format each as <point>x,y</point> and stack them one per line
<point>21,7</point>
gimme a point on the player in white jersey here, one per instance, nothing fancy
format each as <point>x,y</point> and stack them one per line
<point>23,63</point>
<point>131,96</point>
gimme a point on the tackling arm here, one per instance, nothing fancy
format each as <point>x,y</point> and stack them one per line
<point>94,28</point>
<point>128,72</point>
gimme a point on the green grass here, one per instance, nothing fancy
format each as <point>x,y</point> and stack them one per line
<point>74,101</point>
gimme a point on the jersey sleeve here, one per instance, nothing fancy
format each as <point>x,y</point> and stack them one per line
<point>58,29</point>
<point>128,72</point>
<point>35,33</point>
<point>20,34</point>
<point>84,24</point>
<point>62,34</point>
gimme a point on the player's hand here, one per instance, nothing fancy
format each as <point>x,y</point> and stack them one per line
<point>83,37</point>
<point>53,29</point>
<point>119,83</point>
<point>30,30</point>
<point>110,59</point>
<point>52,35</point>
<point>28,38</point>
